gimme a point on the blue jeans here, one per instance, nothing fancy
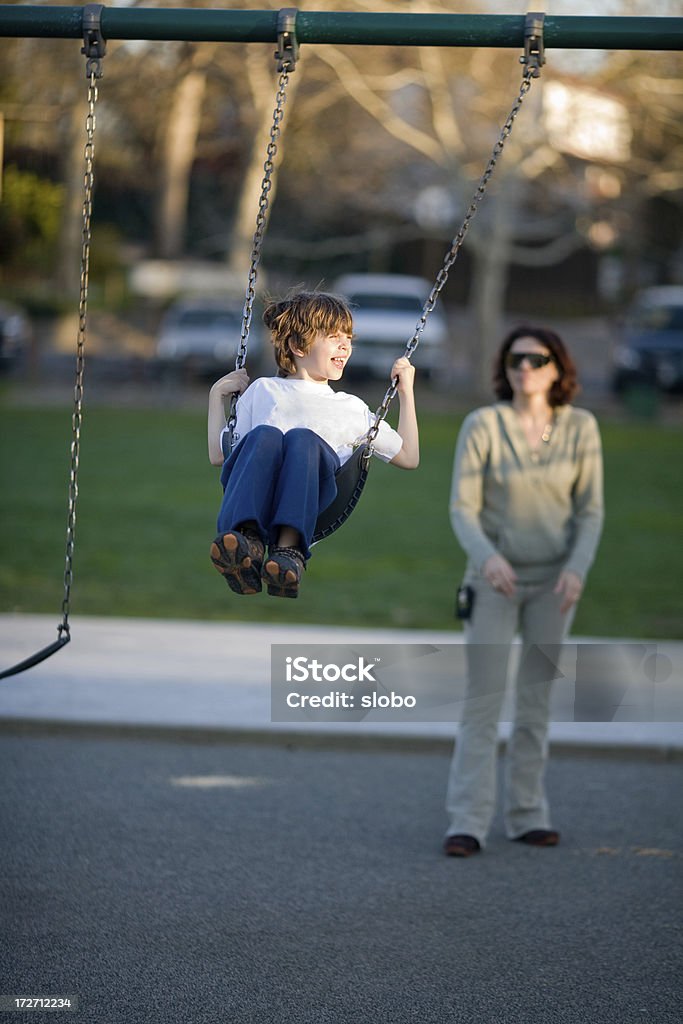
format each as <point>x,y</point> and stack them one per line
<point>276,480</point>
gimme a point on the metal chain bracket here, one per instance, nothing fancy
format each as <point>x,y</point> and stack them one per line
<point>534,52</point>
<point>94,43</point>
<point>286,57</point>
<point>287,51</point>
<point>532,60</point>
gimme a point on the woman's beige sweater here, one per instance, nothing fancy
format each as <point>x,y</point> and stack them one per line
<point>542,511</point>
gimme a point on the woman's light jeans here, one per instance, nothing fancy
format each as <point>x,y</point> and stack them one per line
<point>534,614</point>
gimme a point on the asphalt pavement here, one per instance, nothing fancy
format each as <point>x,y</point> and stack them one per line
<point>156,880</point>
<point>171,854</point>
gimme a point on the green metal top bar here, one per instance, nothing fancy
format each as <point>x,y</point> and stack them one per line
<point>359,28</point>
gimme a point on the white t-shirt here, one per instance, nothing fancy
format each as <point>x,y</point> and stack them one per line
<point>340,419</point>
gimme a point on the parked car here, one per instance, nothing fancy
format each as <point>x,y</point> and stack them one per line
<point>650,344</point>
<point>202,335</point>
<point>15,334</point>
<point>386,309</point>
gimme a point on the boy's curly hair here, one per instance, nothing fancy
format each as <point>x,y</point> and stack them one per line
<point>295,321</point>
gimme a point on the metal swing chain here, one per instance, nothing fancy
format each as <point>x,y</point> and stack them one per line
<point>77,416</point>
<point>532,59</point>
<point>286,56</point>
<point>266,185</point>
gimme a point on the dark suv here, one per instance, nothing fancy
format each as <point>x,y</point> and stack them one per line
<point>650,346</point>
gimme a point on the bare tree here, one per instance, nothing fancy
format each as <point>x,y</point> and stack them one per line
<point>458,100</point>
<point>447,106</point>
<point>371,129</point>
<point>261,79</point>
<point>178,148</point>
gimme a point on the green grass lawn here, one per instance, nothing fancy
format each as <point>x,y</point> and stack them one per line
<point>147,506</point>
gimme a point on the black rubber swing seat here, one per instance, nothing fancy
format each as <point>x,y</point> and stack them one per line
<point>350,480</point>
<point>35,659</point>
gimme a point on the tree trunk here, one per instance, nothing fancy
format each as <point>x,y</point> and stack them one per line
<point>67,270</point>
<point>263,88</point>
<point>491,264</point>
<point>242,234</point>
<point>180,142</point>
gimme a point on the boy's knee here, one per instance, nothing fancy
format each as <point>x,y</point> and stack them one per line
<point>301,439</point>
<point>266,436</point>
<point>299,435</point>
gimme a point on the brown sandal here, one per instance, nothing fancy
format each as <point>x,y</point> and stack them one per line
<point>282,571</point>
<point>238,558</point>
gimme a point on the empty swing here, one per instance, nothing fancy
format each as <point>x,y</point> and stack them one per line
<point>94,48</point>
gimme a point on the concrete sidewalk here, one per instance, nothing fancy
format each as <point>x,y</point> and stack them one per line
<point>215,678</point>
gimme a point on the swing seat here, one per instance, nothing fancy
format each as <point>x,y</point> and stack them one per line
<point>350,480</point>
<point>41,655</point>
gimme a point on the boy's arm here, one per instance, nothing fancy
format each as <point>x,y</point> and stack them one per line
<point>235,381</point>
<point>409,455</point>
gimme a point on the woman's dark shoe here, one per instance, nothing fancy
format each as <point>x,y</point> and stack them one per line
<point>282,571</point>
<point>238,558</point>
<point>461,846</point>
<point>540,837</point>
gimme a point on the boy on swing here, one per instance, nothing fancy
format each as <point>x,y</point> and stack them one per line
<point>292,434</point>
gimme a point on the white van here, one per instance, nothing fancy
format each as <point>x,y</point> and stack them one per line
<point>386,310</point>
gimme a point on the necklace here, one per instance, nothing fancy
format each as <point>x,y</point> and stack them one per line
<point>545,438</point>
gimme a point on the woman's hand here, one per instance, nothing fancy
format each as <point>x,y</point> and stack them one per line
<point>500,574</point>
<point>238,381</point>
<point>570,586</point>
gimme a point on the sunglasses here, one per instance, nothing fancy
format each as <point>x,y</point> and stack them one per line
<point>513,360</point>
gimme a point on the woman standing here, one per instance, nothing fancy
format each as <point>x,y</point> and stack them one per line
<point>527,508</point>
